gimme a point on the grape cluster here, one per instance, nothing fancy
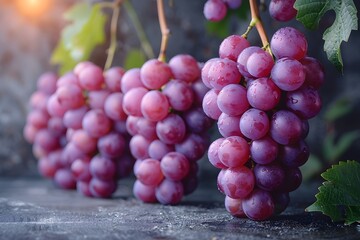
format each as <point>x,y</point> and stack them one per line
<point>167,124</point>
<point>216,10</point>
<point>282,10</point>
<point>262,107</point>
<point>77,127</point>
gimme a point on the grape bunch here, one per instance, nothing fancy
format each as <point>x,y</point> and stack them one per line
<point>262,107</point>
<point>282,10</point>
<point>168,127</point>
<point>77,127</point>
<point>216,10</point>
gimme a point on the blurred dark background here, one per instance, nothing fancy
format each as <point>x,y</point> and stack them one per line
<point>30,29</point>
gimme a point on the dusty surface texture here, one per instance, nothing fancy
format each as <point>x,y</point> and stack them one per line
<point>34,209</point>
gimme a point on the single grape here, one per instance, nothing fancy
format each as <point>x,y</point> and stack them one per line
<point>288,74</point>
<point>149,172</point>
<point>232,46</point>
<point>185,68</point>
<point>96,99</point>
<point>91,78</point>
<point>169,192</point>
<point>175,166</point>
<point>236,182</point>
<point>259,64</point>
<point>113,106</point>
<point>179,94</point>
<point>111,145</point>
<point>282,10</point>
<point>229,125</point>
<point>131,79</point>
<point>210,106</point>
<point>144,192</point>
<point>101,188</point>
<point>288,42</point>
<point>314,72</point>
<point>259,205</point>
<point>73,118</point>
<point>234,206</point>
<point>263,94</point>
<point>154,106</point>
<point>192,147</point>
<point>269,177</point>
<point>132,101</point>
<point>293,179</point>
<point>47,83</point>
<point>264,150</point>
<point>243,58</point>
<point>215,10</point>
<point>139,146</point>
<point>113,78</point>
<point>171,130</point>
<point>155,73</point>
<point>305,102</point>
<point>294,155</point>
<point>146,128</point>
<point>226,103</point>
<point>96,123</point>
<point>234,151</point>
<point>285,127</point>
<point>254,124</point>
<point>81,170</point>
<point>65,179</point>
<point>233,4</point>
<point>102,168</point>
<point>213,153</point>
<point>281,201</point>
<point>223,72</point>
<point>84,142</point>
<point>197,121</point>
<point>158,149</point>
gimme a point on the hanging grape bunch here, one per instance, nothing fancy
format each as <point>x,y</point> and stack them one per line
<point>167,123</point>
<point>77,127</point>
<point>262,99</point>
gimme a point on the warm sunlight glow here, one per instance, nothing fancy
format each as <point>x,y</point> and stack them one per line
<point>33,8</point>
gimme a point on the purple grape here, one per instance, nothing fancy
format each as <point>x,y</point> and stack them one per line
<point>223,72</point>
<point>254,124</point>
<point>288,42</point>
<point>65,179</point>
<point>113,78</point>
<point>243,58</point>
<point>233,4</point>
<point>144,192</point>
<point>185,68</point>
<point>314,72</point>
<point>175,166</point>
<point>259,64</point>
<point>91,78</point>
<point>215,10</point>
<point>171,130</point>
<point>236,182</point>
<point>305,102</point>
<point>232,46</point>
<point>264,150</point>
<point>229,126</point>
<point>197,121</point>
<point>102,168</point>
<point>111,145</point>
<point>149,172</point>
<point>269,177</point>
<point>131,79</point>
<point>139,146</point>
<point>169,192</point>
<point>234,151</point>
<point>100,188</point>
<point>234,206</point>
<point>294,155</point>
<point>282,10</point>
<point>179,94</point>
<point>192,147</point>
<point>288,74</point>
<point>293,179</point>
<point>259,205</point>
<point>263,94</point>
<point>213,153</point>
<point>47,83</point>
<point>155,73</point>
<point>132,101</point>
<point>210,106</point>
<point>113,106</point>
<point>281,201</point>
<point>158,149</point>
<point>96,99</point>
<point>226,103</point>
<point>96,123</point>
<point>285,127</point>
<point>154,106</point>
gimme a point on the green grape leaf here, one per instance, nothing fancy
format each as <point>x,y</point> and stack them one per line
<point>84,32</point>
<point>339,195</point>
<point>134,58</point>
<point>311,11</point>
<point>338,109</point>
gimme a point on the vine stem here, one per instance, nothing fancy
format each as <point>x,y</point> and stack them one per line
<point>165,32</point>
<point>145,44</point>
<point>113,33</point>
<point>255,19</point>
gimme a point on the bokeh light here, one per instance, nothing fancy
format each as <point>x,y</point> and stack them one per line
<point>33,9</point>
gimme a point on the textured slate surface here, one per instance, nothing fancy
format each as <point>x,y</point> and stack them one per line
<point>34,209</point>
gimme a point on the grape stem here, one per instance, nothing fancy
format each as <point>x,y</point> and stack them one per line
<point>165,32</point>
<point>256,20</point>
<point>113,33</point>
<point>145,44</point>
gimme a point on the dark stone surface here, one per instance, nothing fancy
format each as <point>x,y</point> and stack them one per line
<point>34,209</point>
